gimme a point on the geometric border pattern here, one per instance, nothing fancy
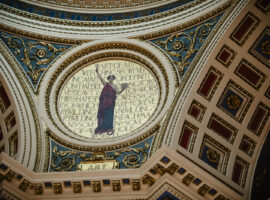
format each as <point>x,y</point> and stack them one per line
<point>197,110</point>
<point>259,119</point>
<point>235,101</point>
<point>250,74</point>
<point>214,154</point>
<point>240,171</point>
<point>222,128</point>
<point>264,8</point>
<point>267,93</point>
<point>226,55</point>
<point>245,28</point>
<point>247,145</point>
<point>210,83</point>
<point>260,48</point>
<point>188,136</point>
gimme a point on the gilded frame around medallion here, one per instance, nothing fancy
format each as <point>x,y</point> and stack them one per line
<point>128,50</point>
<point>96,59</point>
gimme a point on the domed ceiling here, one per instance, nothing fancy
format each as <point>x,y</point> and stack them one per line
<point>173,96</point>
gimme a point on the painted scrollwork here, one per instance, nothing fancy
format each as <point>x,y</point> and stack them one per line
<point>133,157</point>
<point>66,160</point>
<point>234,102</point>
<point>183,46</point>
<point>35,55</point>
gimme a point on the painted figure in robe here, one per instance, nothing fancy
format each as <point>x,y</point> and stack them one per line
<point>106,106</point>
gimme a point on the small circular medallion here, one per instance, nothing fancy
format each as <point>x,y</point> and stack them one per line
<point>41,53</point>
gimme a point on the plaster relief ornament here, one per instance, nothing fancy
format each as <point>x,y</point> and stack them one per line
<point>95,108</point>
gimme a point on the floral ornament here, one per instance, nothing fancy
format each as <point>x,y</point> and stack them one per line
<point>212,156</point>
<point>233,101</point>
<point>266,47</point>
<point>182,46</point>
<point>33,54</point>
<point>66,160</point>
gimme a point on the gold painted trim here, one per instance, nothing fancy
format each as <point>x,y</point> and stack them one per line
<point>8,57</point>
<point>99,24</point>
<point>187,25</point>
<point>226,124</point>
<point>254,69</point>
<point>92,60</point>
<point>91,49</point>
<point>230,6</point>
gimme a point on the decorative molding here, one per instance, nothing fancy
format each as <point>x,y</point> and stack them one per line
<point>210,83</point>
<point>259,118</point>
<point>188,136</point>
<point>260,48</point>
<point>182,47</point>
<point>263,5</point>
<point>161,11</point>
<point>197,110</point>
<point>267,93</point>
<point>245,28</point>
<point>222,128</point>
<point>250,74</point>
<point>214,154</point>
<point>247,145</point>
<point>13,65</point>
<point>240,171</point>
<point>235,101</point>
<point>90,184</point>
<point>226,55</point>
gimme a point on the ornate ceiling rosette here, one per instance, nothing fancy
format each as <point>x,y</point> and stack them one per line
<point>71,94</point>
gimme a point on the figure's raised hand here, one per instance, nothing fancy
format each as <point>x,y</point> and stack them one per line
<point>124,86</point>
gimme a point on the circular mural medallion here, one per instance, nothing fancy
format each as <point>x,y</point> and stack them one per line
<point>108,99</point>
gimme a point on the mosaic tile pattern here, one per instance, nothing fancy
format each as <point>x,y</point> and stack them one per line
<point>34,56</point>
<point>183,46</point>
<point>65,159</point>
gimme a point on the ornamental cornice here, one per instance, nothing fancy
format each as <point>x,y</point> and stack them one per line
<point>138,27</point>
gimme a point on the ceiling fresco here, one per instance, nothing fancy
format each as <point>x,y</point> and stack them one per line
<point>174,97</point>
